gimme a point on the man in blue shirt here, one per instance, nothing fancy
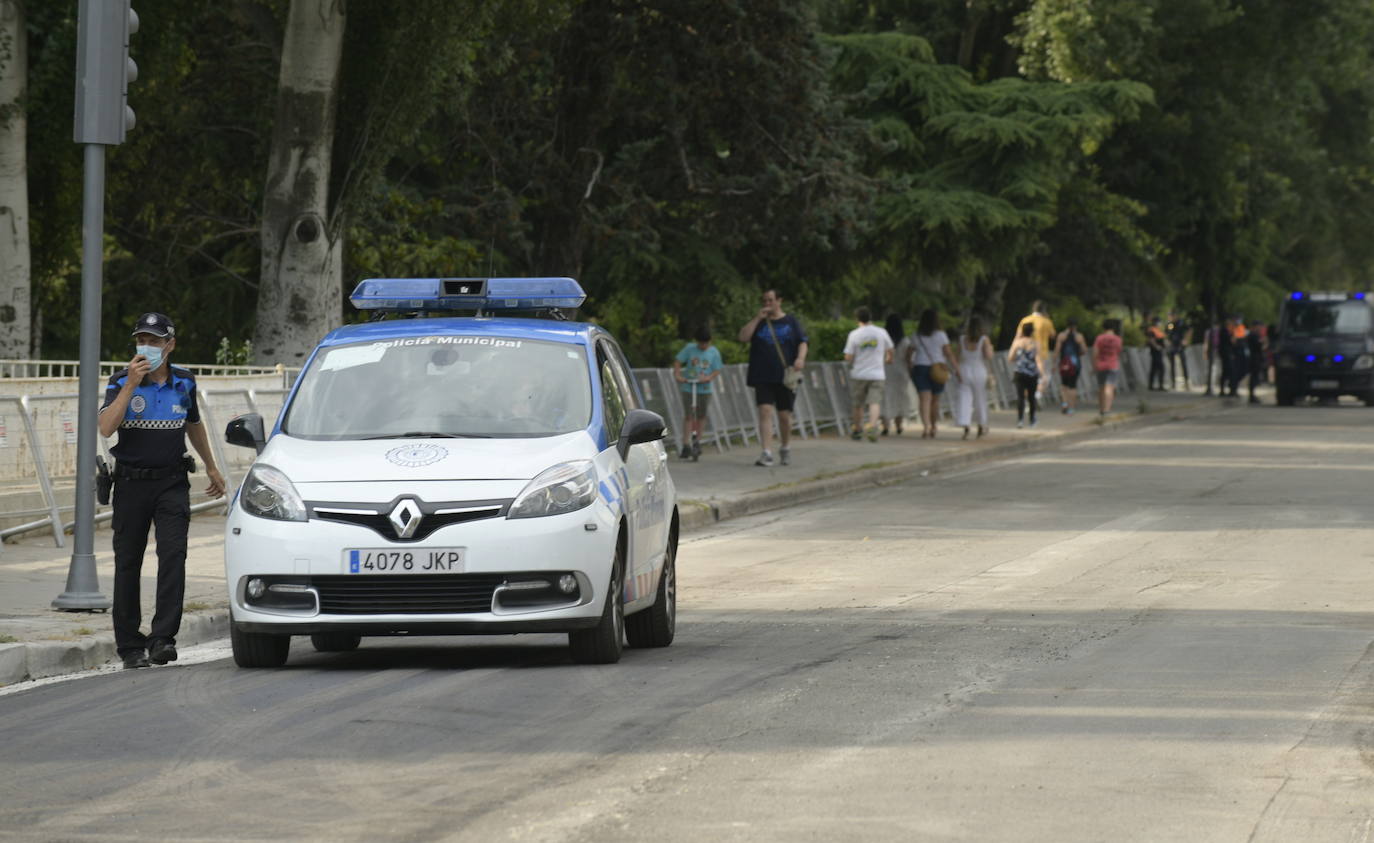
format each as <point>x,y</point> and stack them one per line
<point>696,365</point>
<point>153,406</point>
<point>777,353</point>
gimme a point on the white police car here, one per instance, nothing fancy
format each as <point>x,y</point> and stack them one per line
<point>486,474</point>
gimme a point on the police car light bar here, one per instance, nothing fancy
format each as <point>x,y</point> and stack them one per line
<point>484,294</point>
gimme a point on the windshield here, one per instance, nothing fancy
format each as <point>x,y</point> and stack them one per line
<point>441,386</point>
<point>1323,318</point>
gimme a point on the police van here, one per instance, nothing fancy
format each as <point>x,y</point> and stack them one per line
<point>1325,347</point>
<point>434,475</point>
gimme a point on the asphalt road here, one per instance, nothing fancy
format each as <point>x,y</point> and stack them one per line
<point>1159,636</point>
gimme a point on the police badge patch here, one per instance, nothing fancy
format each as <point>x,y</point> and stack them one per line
<point>138,404</point>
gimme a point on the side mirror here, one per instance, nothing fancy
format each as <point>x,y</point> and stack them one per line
<point>246,431</point>
<point>640,426</point>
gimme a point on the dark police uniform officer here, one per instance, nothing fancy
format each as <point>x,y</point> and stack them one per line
<point>153,406</point>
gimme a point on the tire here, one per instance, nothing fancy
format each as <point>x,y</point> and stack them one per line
<point>655,626</point>
<point>258,649</point>
<point>603,643</point>
<point>336,642</point>
<point>1283,398</point>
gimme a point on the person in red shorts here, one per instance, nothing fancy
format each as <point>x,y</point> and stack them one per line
<point>1107,362</point>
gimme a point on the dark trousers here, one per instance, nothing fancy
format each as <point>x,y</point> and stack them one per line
<point>1177,359</point>
<point>1025,393</point>
<point>1156,368</point>
<point>165,505</point>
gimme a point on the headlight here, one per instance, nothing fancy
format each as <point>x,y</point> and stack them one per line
<point>566,487</point>
<point>1364,361</point>
<point>267,493</point>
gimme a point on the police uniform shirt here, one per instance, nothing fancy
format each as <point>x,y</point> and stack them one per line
<point>153,431</point>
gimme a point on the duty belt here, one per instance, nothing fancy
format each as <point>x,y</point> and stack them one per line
<point>126,472</point>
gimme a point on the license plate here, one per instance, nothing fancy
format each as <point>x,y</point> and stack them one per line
<point>1326,384</point>
<point>385,560</point>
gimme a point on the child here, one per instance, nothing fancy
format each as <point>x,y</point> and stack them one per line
<point>696,365</point>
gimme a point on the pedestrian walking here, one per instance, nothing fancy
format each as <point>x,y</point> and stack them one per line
<point>1240,356</point>
<point>1043,332</point>
<point>971,393</point>
<point>932,362</point>
<point>1180,334</point>
<point>1028,369</point>
<point>696,366</point>
<point>777,354</point>
<point>897,391</point>
<point>1107,364</point>
<point>153,406</point>
<point>1155,340</point>
<point>867,350</point>
<point>1070,346</point>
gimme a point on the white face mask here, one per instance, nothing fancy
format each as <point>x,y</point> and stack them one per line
<point>153,353</point>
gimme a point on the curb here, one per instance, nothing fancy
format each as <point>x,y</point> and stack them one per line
<point>38,659</point>
<point>698,514</point>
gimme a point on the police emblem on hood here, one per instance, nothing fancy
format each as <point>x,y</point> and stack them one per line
<point>415,456</point>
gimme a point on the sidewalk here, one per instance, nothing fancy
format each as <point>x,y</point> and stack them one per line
<point>36,641</point>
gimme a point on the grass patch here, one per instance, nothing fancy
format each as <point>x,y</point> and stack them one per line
<point>8,639</point>
<point>195,606</point>
<point>84,630</point>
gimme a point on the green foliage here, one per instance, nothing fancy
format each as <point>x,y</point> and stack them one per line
<point>234,354</point>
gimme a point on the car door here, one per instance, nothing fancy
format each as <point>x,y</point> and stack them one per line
<point>639,473</point>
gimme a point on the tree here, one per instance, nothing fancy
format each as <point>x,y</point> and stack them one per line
<point>15,337</point>
<point>302,246</point>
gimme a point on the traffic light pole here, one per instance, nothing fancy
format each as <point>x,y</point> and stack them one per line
<point>83,585</point>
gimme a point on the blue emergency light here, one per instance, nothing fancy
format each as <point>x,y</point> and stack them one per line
<point>1296,297</point>
<point>479,294</point>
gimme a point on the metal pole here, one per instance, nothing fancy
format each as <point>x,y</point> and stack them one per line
<point>83,586</point>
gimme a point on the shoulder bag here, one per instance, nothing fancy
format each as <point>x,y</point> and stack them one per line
<point>791,378</point>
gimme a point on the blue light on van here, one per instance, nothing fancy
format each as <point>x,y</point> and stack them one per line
<point>1339,358</point>
<point>1296,296</point>
<point>485,294</point>
<point>1311,358</point>
<point>1359,296</point>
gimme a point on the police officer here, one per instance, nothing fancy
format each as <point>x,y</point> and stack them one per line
<point>153,406</point>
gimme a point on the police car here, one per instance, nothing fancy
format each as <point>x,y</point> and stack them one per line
<point>493,473</point>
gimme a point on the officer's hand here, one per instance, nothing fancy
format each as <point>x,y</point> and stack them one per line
<point>216,487</point>
<point>763,312</point>
<point>138,369</point>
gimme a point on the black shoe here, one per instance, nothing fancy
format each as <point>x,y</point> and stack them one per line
<point>136,660</point>
<point>161,653</point>
<point>686,453</point>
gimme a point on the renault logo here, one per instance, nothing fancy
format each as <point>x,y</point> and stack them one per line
<point>405,518</point>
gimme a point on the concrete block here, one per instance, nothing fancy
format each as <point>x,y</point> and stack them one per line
<point>14,663</point>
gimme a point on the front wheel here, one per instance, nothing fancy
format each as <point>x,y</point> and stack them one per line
<point>655,626</point>
<point>602,644</point>
<point>258,649</point>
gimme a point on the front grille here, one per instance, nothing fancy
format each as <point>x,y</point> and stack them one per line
<point>432,515</point>
<point>406,594</point>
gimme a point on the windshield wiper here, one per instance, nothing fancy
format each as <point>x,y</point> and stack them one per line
<point>428,434</point>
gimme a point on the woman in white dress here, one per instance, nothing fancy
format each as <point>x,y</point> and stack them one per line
<point>897,384</point>
<point>971,397</point>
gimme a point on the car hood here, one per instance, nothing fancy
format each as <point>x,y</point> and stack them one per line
<point>309,461</point>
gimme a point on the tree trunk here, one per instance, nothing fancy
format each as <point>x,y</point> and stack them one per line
<point>299,299</point>
<point>15,321</point>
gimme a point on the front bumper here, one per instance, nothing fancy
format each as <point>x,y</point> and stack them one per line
<point>1324,381</point>
<point>493,594</point>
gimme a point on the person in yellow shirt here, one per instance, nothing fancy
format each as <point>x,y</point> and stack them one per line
<point>1042,331</point>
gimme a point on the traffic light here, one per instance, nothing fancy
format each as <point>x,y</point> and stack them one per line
<point>104,71</point>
